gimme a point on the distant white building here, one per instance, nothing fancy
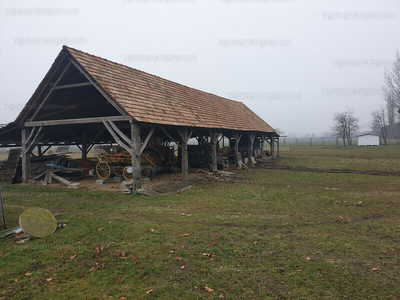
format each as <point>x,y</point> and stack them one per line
<point>368,139</point>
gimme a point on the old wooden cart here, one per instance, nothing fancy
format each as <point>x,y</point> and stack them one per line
<point>120,164</point>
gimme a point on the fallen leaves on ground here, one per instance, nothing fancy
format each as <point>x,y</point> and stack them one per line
<point>186,234</point>
<point>210,290</point>
<point>99,229</point>
<point>49,279</point>
<point>28,274</point>
<point>73,256</point>
<point>149,291</point>
<point>308,258</point>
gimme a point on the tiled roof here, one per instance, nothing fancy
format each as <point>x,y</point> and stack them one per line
<point>151,99</point>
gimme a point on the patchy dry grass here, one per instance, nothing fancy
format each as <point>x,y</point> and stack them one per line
<point>273,235</point>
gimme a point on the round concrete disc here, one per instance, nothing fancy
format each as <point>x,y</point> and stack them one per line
<point>38,222</point>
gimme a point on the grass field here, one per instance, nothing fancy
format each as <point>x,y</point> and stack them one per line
<point>274,234</point>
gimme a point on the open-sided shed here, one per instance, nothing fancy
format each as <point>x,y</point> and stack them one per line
<point>85,100</point>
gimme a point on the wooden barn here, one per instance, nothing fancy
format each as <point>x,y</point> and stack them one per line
<point>85,100</point>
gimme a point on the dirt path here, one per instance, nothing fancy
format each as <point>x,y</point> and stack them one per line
<point>350,171</point>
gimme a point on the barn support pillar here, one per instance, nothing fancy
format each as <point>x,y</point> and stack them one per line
<point>136,156</point>
<point>30,138</point>
<point>237,138</point>
<point>26,157</point>
<point>185,136</point>
<point>252,137</point>
<point>39,150</point>
<point>131,145</point>
<point>262,143</point>
<point>184,139</point>
<point>272,144</point>
<point>84,144</point>
<point>214,140</point>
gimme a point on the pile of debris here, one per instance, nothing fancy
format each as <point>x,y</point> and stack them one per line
<point>220,176</point>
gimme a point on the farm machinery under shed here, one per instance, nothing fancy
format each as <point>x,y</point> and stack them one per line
<point>157,156</point>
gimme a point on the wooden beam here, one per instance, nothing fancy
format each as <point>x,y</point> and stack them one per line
<point>185,159</point>
<point>120,133</point>
<point>214,140</point>
<point>84,145</point>
<point>33,143</point>
<point>175,141</point>
<point>35,140</point>
<point>116,138</point>
<point>252,137</point>
<point>26,158</point>
<point>67,86</point>
<point>51,91</point>
<point>92,140</point>
<point>136,157</point>
<point>105,95</point>
<point>77,121</point>
<point>146,140</point>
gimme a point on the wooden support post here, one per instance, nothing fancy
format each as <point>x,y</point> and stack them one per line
<point>84,144</point>
<point>272,145</point>
<point>252,137</point>
<point>185,137</point>
<point>136,157</point>
<point>262,144</point>
<point>3,218</point>
<point>277,143</point>
<point>185,158</point>
<point>39,150</point>
<point>26,156</point>
<point>214,140</point>
<point>237,138</point>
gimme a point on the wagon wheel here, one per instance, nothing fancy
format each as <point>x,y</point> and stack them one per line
<point>119,170</point>
<point>127,176</point>
<point>103,170</point>
<point>146,171</point>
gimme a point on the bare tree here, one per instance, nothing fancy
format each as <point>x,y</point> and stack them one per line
<point>339,127</point>
<point>392,79</point>
<point>345,125</point>
<point>379,123</point>
<point>390,99</point>
<point>351,126</point>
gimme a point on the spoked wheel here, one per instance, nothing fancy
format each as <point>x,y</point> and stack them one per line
<point>103,170</point>
<point>119,170</point>
<point>146,171</point>
<point>127,173</point>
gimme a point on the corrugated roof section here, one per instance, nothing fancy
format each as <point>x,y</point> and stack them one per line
<point>151,99</point>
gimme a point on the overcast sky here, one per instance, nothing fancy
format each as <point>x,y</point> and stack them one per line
<point>294,63</point>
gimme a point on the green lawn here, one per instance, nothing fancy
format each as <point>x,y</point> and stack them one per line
<point>275,234</point>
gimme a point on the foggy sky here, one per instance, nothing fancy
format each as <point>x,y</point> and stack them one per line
<point>294,63</point>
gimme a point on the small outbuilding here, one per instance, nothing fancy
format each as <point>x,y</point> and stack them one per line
<point>368,139</point>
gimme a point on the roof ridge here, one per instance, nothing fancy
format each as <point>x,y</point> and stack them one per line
<point>120,64</point>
